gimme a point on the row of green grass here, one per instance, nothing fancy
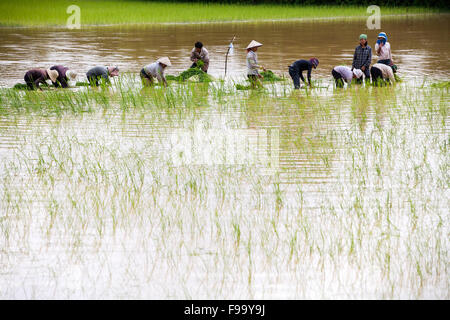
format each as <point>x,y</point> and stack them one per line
<point>104,12</point>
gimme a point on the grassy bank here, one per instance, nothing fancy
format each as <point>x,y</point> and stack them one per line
<point>53,13</point>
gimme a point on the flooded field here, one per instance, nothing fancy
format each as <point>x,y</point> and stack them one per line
<point>203,191</point>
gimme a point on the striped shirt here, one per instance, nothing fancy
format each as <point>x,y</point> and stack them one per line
<point>362,57</point>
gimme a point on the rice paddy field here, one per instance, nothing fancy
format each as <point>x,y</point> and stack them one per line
<point>203,191</point>
<point>40,13</point>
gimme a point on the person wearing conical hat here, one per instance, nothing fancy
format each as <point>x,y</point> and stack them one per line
<point>98,73</point>
<point>296,70</point>
<point>363,56</point>
<point>155,70</point>
<point>252,64</point>
<point>64,75</point>
<point>383,49</point>
<point>343,73</point>
<point>34,77</point>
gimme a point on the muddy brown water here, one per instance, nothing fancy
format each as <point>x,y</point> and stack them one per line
<point>420,46</point>
<point>359,209</point>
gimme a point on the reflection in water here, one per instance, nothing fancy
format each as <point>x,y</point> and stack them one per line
<point>91,205</point>
<point>419,46</point>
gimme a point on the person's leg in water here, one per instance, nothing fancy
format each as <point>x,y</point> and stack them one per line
<point>254,81</point>
<point>147,81</point>
<point>377,76</point>
<point>295,77</point>
<point>29,81</point>
<point>337,79</point>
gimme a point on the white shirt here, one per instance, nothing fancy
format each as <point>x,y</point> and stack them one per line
<point>252,63</point>
<point>386,71</point>
<point>155,70</point>
<point>385,52</point>
<point>345,72</point>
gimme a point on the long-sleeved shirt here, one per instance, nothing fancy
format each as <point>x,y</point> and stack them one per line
<point>385,51</point>
<point>155,70</point>
<point>386,70</point>
<point>345,72</point>
<point>36,76</point>
<point>303,65</point>
<point>203,55</point>
<point>97,72</point>
<point>252,63</point>
<point>362,57</point>
<point>62,79</point>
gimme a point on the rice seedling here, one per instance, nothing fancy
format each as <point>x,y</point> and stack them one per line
<point>357,205</point>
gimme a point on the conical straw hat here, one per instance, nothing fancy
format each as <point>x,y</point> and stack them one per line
<point>164,60</point>
<point>254,44</point>
<point>52,74</point>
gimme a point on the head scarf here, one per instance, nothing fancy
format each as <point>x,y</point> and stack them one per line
<point>314,62</point>
<point>358,73</point>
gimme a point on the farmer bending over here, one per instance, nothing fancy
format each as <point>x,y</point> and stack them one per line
<point>64,75</point>
<point>155,70</point>
<point>296,70</point>
<point>34,77</point>
<point>98,73</point>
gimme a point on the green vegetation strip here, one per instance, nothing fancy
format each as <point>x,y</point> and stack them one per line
<point>99,12</point>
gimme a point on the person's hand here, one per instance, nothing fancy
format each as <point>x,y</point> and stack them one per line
<point>264,69</point>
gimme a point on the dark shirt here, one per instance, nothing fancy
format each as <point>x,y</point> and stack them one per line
<point>362,57</point>
<point>62,79</point>
<point>98,72</point>
<point>36,76</point>
<point>303,65</point>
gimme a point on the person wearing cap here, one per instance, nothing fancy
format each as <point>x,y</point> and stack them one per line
<point>252,64</point>
<point>199,52</point>
<point>383,49</point>
<point>155,70</point>
<point>101,72</point>
<point>363,57</point>
<point>343,73</point>
<point>296,70</point>
<point>64,75</point>
<point>34,77</point>
<point>381,72</point>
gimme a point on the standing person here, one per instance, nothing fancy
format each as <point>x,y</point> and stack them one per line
<point>155,70</point>
<point>199,53</point>
<point>34,77</point>
<point>64,74</point>
<point>343,73</point>
<point>252,64</point>
<point>296,70</point>
<point>382,72</point>
<point>98,73</point>
<point>383,49</point>
<point>363,56</point>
